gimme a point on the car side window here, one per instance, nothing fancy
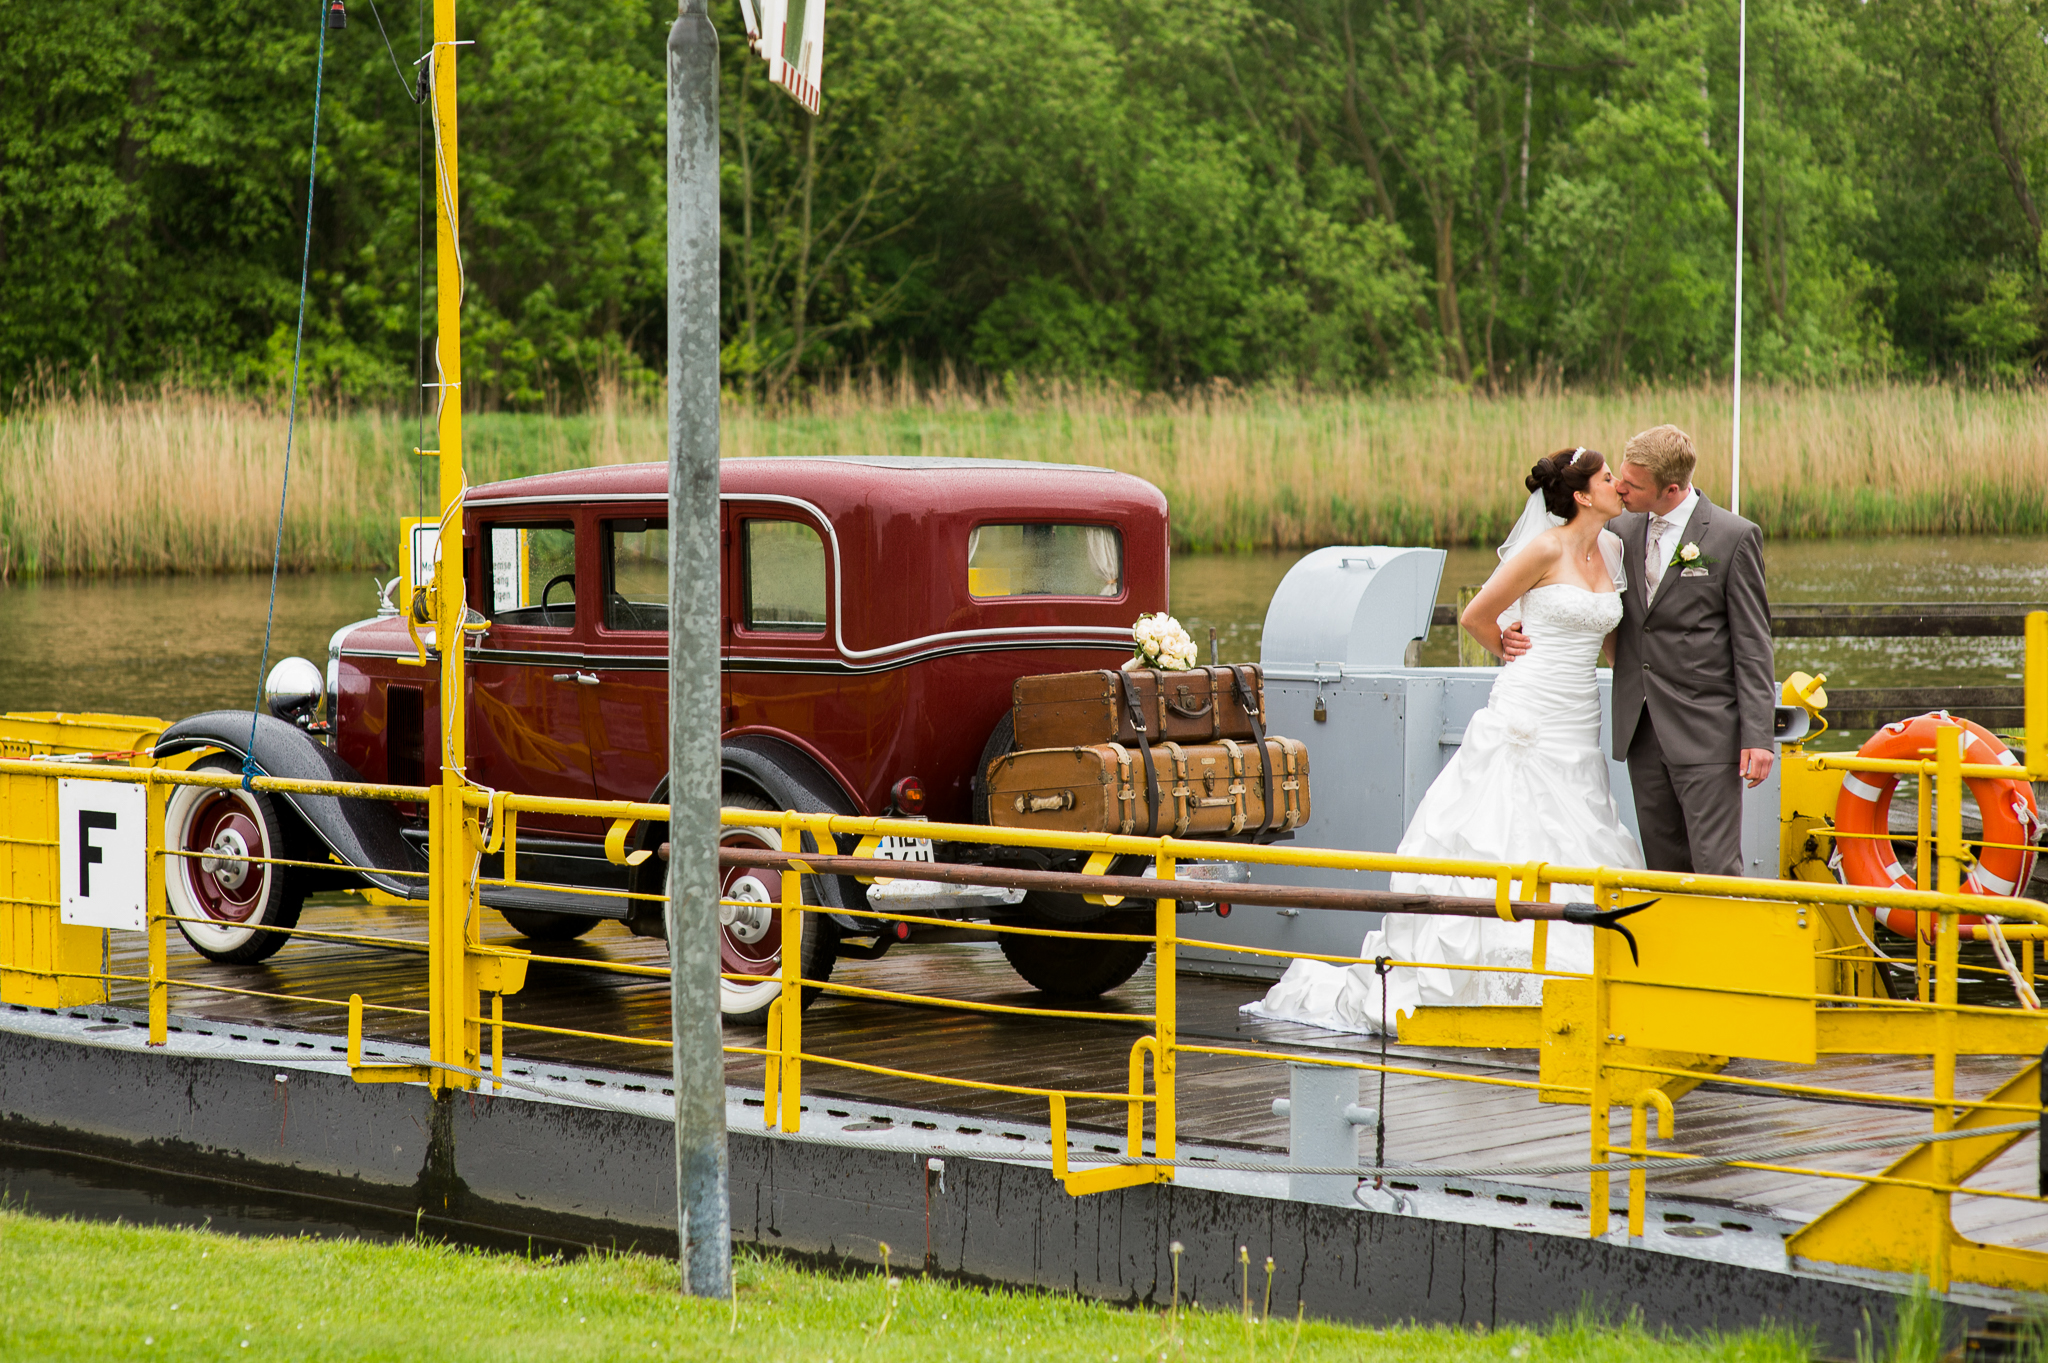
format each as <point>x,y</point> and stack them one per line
<point>1044,560</point>
<point>636,571</point>
<point>784,576</point>
<point>533,575</point>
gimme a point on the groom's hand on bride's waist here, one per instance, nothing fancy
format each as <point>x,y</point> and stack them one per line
<point>1755,765</point>
<point>1513,643</point>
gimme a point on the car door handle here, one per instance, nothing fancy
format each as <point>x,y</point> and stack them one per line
<point>580,678</point>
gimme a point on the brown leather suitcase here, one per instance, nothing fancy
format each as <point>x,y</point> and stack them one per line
<point>1201,705</point>
<point>1198,788</point>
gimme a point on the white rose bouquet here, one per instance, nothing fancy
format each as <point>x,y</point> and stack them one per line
<point>1161,642</point>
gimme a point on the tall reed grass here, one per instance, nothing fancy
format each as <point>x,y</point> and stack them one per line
<point>179,481</point>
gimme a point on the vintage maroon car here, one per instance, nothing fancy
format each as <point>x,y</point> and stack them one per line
<point>875,613</point>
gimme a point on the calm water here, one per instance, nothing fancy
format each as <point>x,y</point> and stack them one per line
<point>170,647</point>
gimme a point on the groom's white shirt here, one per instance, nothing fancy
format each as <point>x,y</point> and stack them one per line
<point>1660,544</point>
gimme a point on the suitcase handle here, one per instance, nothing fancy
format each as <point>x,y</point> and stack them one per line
<point>1045,804</point>
<point>1137,710</point>
<point>1250,703</point>
<point>1183,704</point>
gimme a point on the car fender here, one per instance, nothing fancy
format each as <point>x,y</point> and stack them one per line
<point>363,833</point>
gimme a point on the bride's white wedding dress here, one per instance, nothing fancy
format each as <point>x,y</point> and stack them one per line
<point>1529,783</point>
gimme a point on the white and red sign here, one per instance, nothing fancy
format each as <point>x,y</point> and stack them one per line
<point>790,36</point>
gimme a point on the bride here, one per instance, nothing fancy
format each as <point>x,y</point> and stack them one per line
<point>1529,783</point>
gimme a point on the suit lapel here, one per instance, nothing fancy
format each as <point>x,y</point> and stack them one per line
<point>1694,530</point>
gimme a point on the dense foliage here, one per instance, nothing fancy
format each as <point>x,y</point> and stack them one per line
<point>1152,192</point>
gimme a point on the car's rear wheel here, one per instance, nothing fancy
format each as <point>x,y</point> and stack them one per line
<point>750,938</point>
<point>543,926</point>
<point>1077,967</point>
<point>223,895</point>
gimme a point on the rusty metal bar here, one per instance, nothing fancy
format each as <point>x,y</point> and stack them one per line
<point>1144,888</point>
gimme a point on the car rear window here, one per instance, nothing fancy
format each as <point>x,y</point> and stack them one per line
<point>636,558</point>
<point>785,577</point>
<point>533,574</point>
<point>1045,560</point>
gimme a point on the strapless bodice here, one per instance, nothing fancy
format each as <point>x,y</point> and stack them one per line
<point>1559,609</point>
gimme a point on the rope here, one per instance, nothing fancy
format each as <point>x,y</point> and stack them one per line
<point>415,95</point>
<point>250,771</point>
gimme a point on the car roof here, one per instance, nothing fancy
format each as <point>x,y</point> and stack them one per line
<point>834,481</point>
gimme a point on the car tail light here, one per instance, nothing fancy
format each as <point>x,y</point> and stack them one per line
<point>908,796</point>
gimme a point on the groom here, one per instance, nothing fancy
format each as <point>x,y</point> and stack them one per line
<point>1693,677</point>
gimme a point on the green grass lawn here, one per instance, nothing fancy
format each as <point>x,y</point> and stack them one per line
<point>93,1291</point>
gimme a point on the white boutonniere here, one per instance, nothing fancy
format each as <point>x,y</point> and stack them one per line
<point>1689,556</point>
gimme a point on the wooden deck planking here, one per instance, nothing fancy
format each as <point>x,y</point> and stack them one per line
<point>1225,1100</point>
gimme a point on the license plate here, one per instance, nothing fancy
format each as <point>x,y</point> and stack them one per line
<point>905,849</point>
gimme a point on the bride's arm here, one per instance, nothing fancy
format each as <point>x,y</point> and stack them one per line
<point>1505,587</point>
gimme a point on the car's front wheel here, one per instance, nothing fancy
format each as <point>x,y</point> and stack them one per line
<point>221,884</point>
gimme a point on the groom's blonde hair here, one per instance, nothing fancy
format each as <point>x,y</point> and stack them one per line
<point>1665,451</point>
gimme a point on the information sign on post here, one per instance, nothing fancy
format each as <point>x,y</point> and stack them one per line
<point>103,854</point>
<point>790,36</point>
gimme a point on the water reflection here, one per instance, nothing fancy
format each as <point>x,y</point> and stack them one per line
<point>1230,592</point>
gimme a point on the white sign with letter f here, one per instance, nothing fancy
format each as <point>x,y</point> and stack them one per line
<point>103,854</point>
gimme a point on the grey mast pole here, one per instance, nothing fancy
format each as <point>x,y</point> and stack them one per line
<point>703,1215</point>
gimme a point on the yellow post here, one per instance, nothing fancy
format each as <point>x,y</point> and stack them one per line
<point>159,910</point>
<point>771,1067</point>
<point>792,996</point>
<point>1598,1102</point>
<point>1639,1150</point>
<point>2036,684</point>
<point>1536,890</point>
<point>1165,994</point>
<point>1922,859</point>
<point>451,928</point>
<point>498,1038</point>
<point>1948,758</point>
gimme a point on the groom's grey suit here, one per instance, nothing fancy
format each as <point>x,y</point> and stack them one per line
<point>1693,687</point>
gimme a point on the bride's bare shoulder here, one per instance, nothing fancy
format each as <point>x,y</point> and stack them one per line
<point>1545,549</point>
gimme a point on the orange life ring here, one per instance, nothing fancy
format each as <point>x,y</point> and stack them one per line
<point>1862,816</point>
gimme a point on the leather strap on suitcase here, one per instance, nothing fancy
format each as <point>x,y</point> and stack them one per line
<point>1251,710</point>
<point>1137,712</point>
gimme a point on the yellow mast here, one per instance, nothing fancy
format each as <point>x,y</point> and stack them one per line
<point>452,928</point>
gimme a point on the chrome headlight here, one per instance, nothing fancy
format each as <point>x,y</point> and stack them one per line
<point>292,691</point>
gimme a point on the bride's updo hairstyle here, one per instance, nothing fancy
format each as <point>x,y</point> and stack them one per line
<point>1558,476</point>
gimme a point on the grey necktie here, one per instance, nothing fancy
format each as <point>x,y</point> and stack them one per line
<point>1658,556</point>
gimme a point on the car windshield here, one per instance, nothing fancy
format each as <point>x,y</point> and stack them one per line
<point>636,558</point>
<point>533,575</point>
<point>1045,560</point>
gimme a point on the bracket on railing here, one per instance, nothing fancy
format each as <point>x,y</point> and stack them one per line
<point>376,1074</point>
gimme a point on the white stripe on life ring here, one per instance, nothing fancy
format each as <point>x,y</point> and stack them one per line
<point>1861,789</point>
<point>2005,757</point>
<point>1996,884</point>
<point>1898,874</point>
